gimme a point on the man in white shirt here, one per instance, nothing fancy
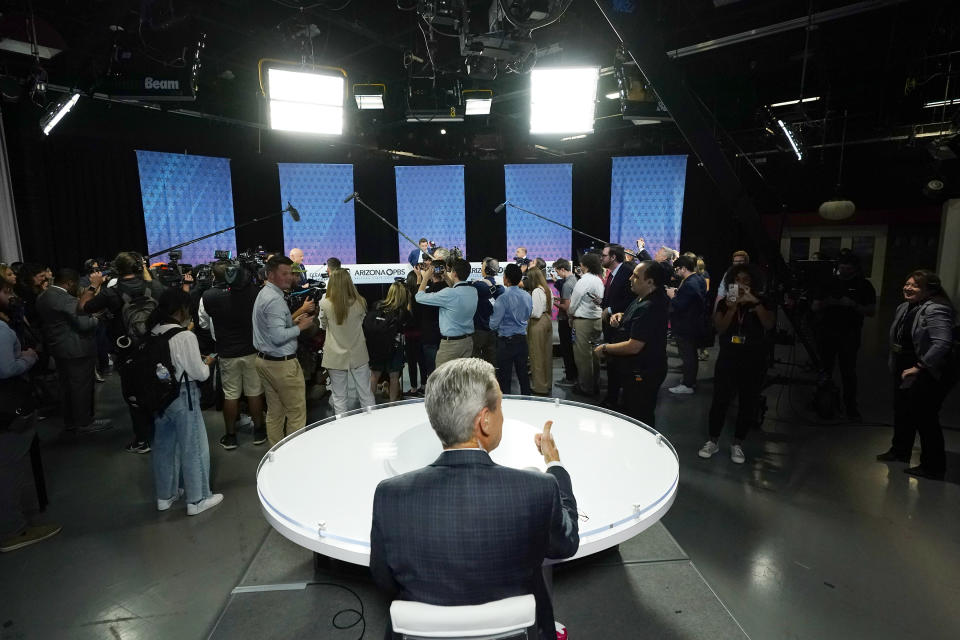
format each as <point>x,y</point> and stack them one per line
<point>584,313</point>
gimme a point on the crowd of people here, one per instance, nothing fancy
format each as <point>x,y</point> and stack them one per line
<point>615,309</point>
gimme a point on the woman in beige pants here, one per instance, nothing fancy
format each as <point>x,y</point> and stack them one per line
<point>540,332</point>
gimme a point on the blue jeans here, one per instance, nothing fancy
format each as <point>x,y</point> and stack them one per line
<point>180,448</point>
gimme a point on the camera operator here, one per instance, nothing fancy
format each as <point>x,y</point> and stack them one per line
<point>847,299</point>
<point>617,296</point>
<point>70,338</point>
<point>457,305</point>
<point>639,340</point>
<point>275,336</point>
<point>134,287</point>
<point>485,340</point>
<point>565,283</point>
<point>226,309</point>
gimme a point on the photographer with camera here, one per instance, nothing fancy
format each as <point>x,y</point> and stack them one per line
<point>743,319</point>
<point>275,336</point>
<point>226,310</point>
<point>130,299</point>
<point>485,340</point>
<point>457,305</point>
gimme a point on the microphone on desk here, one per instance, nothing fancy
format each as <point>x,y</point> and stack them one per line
<point>350,197</point>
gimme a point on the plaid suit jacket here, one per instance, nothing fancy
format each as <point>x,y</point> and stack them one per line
<point>465,530</point>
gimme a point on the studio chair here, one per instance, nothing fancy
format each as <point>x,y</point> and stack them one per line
<point>510,618</point>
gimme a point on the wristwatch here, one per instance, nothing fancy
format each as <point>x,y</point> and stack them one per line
<point>603,348</point>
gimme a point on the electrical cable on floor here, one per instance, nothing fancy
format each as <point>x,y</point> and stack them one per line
<point>360,615</point>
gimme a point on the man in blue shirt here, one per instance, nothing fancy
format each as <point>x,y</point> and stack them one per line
<point>485,340</point>
<point>510,316</point>
<point>416,256</point>
<point>275,333</point>
<point>457,305</point>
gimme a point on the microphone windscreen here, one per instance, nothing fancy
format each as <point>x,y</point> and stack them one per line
<point>500,208</point>
<point>293,212</point>
<point>350,197</point>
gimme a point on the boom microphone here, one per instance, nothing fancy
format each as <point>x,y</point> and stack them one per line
<point>293,212</point>
<point>500,207</point>
<point>350,197</point>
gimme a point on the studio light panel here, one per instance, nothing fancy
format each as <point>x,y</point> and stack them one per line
<point>563,101</point>
<point>305,102</point>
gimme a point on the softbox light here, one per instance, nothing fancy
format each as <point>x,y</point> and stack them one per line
<point>305,102</point>
<point>563,100</point>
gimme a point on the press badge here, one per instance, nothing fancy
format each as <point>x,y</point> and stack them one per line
<point>738,340</point>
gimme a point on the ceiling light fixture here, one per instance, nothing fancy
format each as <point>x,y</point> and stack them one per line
<point>789,135</point>
<point>306,101</point>
<point>613,95</point>
<point>477,102</point>
<point>790,103</point>
<point>56,114</point>
<point>563,100</point>
<point>941,103</point>
<point>369,96</point>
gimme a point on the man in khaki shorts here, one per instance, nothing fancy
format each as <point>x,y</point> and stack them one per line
<point>226,310</point>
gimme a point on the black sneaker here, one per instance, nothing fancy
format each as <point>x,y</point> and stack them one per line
<point>138,447</point>
<point>259,436</point>
<point>229,441</point>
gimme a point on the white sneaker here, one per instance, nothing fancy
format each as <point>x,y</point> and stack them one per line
<point>736,454</point>
<point>681,389</point>
<point>708,449</point>
<point>203,505</point>
<point>163,505</point>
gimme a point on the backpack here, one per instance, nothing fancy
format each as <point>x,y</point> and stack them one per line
<point>135,313</point>
<point>147,373</point>
<point>382,331</point>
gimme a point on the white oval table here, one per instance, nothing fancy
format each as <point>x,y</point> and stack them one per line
<point>316,485</point>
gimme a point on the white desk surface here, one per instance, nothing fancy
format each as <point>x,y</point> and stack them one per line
<point>316,486</point>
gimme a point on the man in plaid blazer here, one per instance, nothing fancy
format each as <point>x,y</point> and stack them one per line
<point>465,530</point>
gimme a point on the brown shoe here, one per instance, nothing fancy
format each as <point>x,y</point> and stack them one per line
<point>30,535</point>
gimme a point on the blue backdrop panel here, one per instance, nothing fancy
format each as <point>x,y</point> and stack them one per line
<point>430,204</point>
<point>326,228</point>
<point>185,197</point>
<point>546,189</point>
<point>646,200</point>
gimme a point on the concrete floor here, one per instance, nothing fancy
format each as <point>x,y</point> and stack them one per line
<point>811,538</point>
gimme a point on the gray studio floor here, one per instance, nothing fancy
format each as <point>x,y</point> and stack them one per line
<point>809,539</point>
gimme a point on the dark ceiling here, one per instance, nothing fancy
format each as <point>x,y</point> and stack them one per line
<point>872,63</point>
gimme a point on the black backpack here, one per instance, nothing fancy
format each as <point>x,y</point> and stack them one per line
<point>381,330</point>
<point>148,381</point>
<point>135,313</point>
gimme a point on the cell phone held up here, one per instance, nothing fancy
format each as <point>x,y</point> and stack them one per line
<point>733,292</point>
